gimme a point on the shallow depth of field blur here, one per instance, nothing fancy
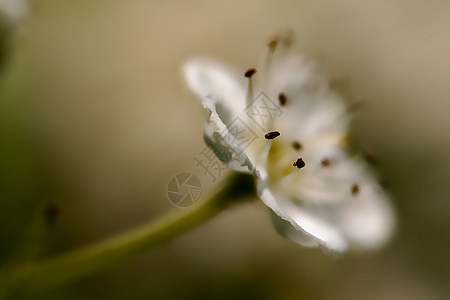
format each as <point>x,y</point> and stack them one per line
<point>95,117</point>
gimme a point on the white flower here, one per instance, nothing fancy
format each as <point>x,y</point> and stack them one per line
<point>319,195</point>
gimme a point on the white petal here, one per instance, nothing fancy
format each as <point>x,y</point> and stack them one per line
<point>364,218</point>
<point>227,147</point>
<point>312,108</point>
<point>208,78</point>
<point>318,226</point>
<point>306,226</point>
<point>228,131</point>
<point>295,74</point>
<point>367,222</point>
<point>286,229</point>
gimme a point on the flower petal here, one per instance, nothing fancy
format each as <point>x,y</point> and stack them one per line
<point>346,197</point>
<point>312,109</point>
<point>294,74</point>
<point>224,96</point>
<point>224,144</point>
<point>367,222</point>
<point>307,226</point>
<point>286,229</point>
<point>208,78</point>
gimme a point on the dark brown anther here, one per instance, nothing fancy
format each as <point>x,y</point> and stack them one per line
<point>325,162</point>
<point>299,163</point>
<point>271,135</point>
<point>297,146</point>
<point>250,72</point>
<point>355,189</point>
<point>282,98</point>
<point>273,44</point>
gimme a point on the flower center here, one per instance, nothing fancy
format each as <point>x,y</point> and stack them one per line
<point>280,160</point>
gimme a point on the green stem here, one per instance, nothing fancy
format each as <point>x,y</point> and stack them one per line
<point>55,271</point>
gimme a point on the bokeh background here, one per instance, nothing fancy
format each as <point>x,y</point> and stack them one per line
<point>95,118</point>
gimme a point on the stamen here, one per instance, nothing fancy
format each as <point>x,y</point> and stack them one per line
<point>282,99</point>
<point>355,189</point>
<point>273,44</point>
<point>299,163</point>
<point>271,135</point>
<point>297,146</point>
<point>265,154</point>
<point>250,72</point>
<point>325,162</point>
<point>290,176</point>
<point>268,63</point>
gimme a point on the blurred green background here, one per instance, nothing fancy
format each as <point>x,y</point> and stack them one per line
<point>95,118</point>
